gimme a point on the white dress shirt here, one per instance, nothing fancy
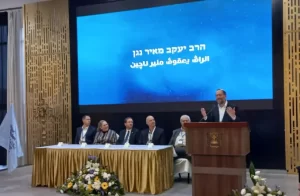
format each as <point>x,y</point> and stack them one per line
<point>150,135</point>
<point>128,131</point>
<point>222,110</point>
<point>83,133</point>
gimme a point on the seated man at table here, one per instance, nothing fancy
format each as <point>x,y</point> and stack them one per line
<point>86,133</point>
<point>153,134</point>
<point>178,140</point>
<point>130,134</point>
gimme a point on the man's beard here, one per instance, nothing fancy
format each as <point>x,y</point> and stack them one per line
<point>221,102</point>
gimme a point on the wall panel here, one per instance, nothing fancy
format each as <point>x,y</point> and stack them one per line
<point>48,83</point>
<point>291,38</point>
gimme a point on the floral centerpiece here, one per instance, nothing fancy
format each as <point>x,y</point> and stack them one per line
<point>259,187</point>
<point>92,179</point>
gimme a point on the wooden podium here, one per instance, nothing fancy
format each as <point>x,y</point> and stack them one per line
<point>218,156</point>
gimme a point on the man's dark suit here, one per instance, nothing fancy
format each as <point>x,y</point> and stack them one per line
<point>176,132</point>
<point>133,138</point>
<point>213,116</point>
<point>157,139</point>
<point>180,150</point>
<point>89,136</point>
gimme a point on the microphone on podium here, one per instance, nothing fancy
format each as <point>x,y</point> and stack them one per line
<point>208,112</point>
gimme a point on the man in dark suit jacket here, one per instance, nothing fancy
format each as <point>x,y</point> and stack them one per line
<point>153,134</point>
<point>86,133</point>
<point>178,140</point>
<point>130,134</point>
<point>223,112</point>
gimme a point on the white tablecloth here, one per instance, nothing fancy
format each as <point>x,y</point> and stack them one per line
<point>112,147</point>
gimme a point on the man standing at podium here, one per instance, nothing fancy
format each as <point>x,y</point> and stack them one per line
<point>223,112</point>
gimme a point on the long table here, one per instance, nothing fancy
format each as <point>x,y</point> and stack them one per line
<point>139,168</point>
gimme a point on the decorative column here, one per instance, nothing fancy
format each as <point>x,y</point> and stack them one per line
<point>291,35</point>
<point>48,85</point>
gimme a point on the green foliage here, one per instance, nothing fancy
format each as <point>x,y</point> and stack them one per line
<point>252,173</point>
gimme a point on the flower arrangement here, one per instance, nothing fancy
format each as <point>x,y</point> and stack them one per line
<point>92,180</point>
<point>259,187</point>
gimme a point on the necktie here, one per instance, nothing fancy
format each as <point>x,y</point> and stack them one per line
<point>126,137</point>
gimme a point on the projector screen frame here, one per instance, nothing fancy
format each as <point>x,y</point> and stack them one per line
<point>276,103</point>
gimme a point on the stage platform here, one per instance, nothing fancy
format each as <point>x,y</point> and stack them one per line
<point>19,183</point>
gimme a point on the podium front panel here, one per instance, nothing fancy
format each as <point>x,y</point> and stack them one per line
<point>209,139</point>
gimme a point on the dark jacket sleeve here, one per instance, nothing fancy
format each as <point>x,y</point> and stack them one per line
<point>237,118</point>
<point>119,141</point>
<point>172,142</point>
<point>162,138</point>
<point>94,134</point>
<point>90,140</point>
<point>137,136</point>
<point>141,138</point>
<point>210,117</point>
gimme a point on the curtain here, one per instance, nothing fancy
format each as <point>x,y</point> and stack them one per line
<point>3,74</point>
<point>16,74</point>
